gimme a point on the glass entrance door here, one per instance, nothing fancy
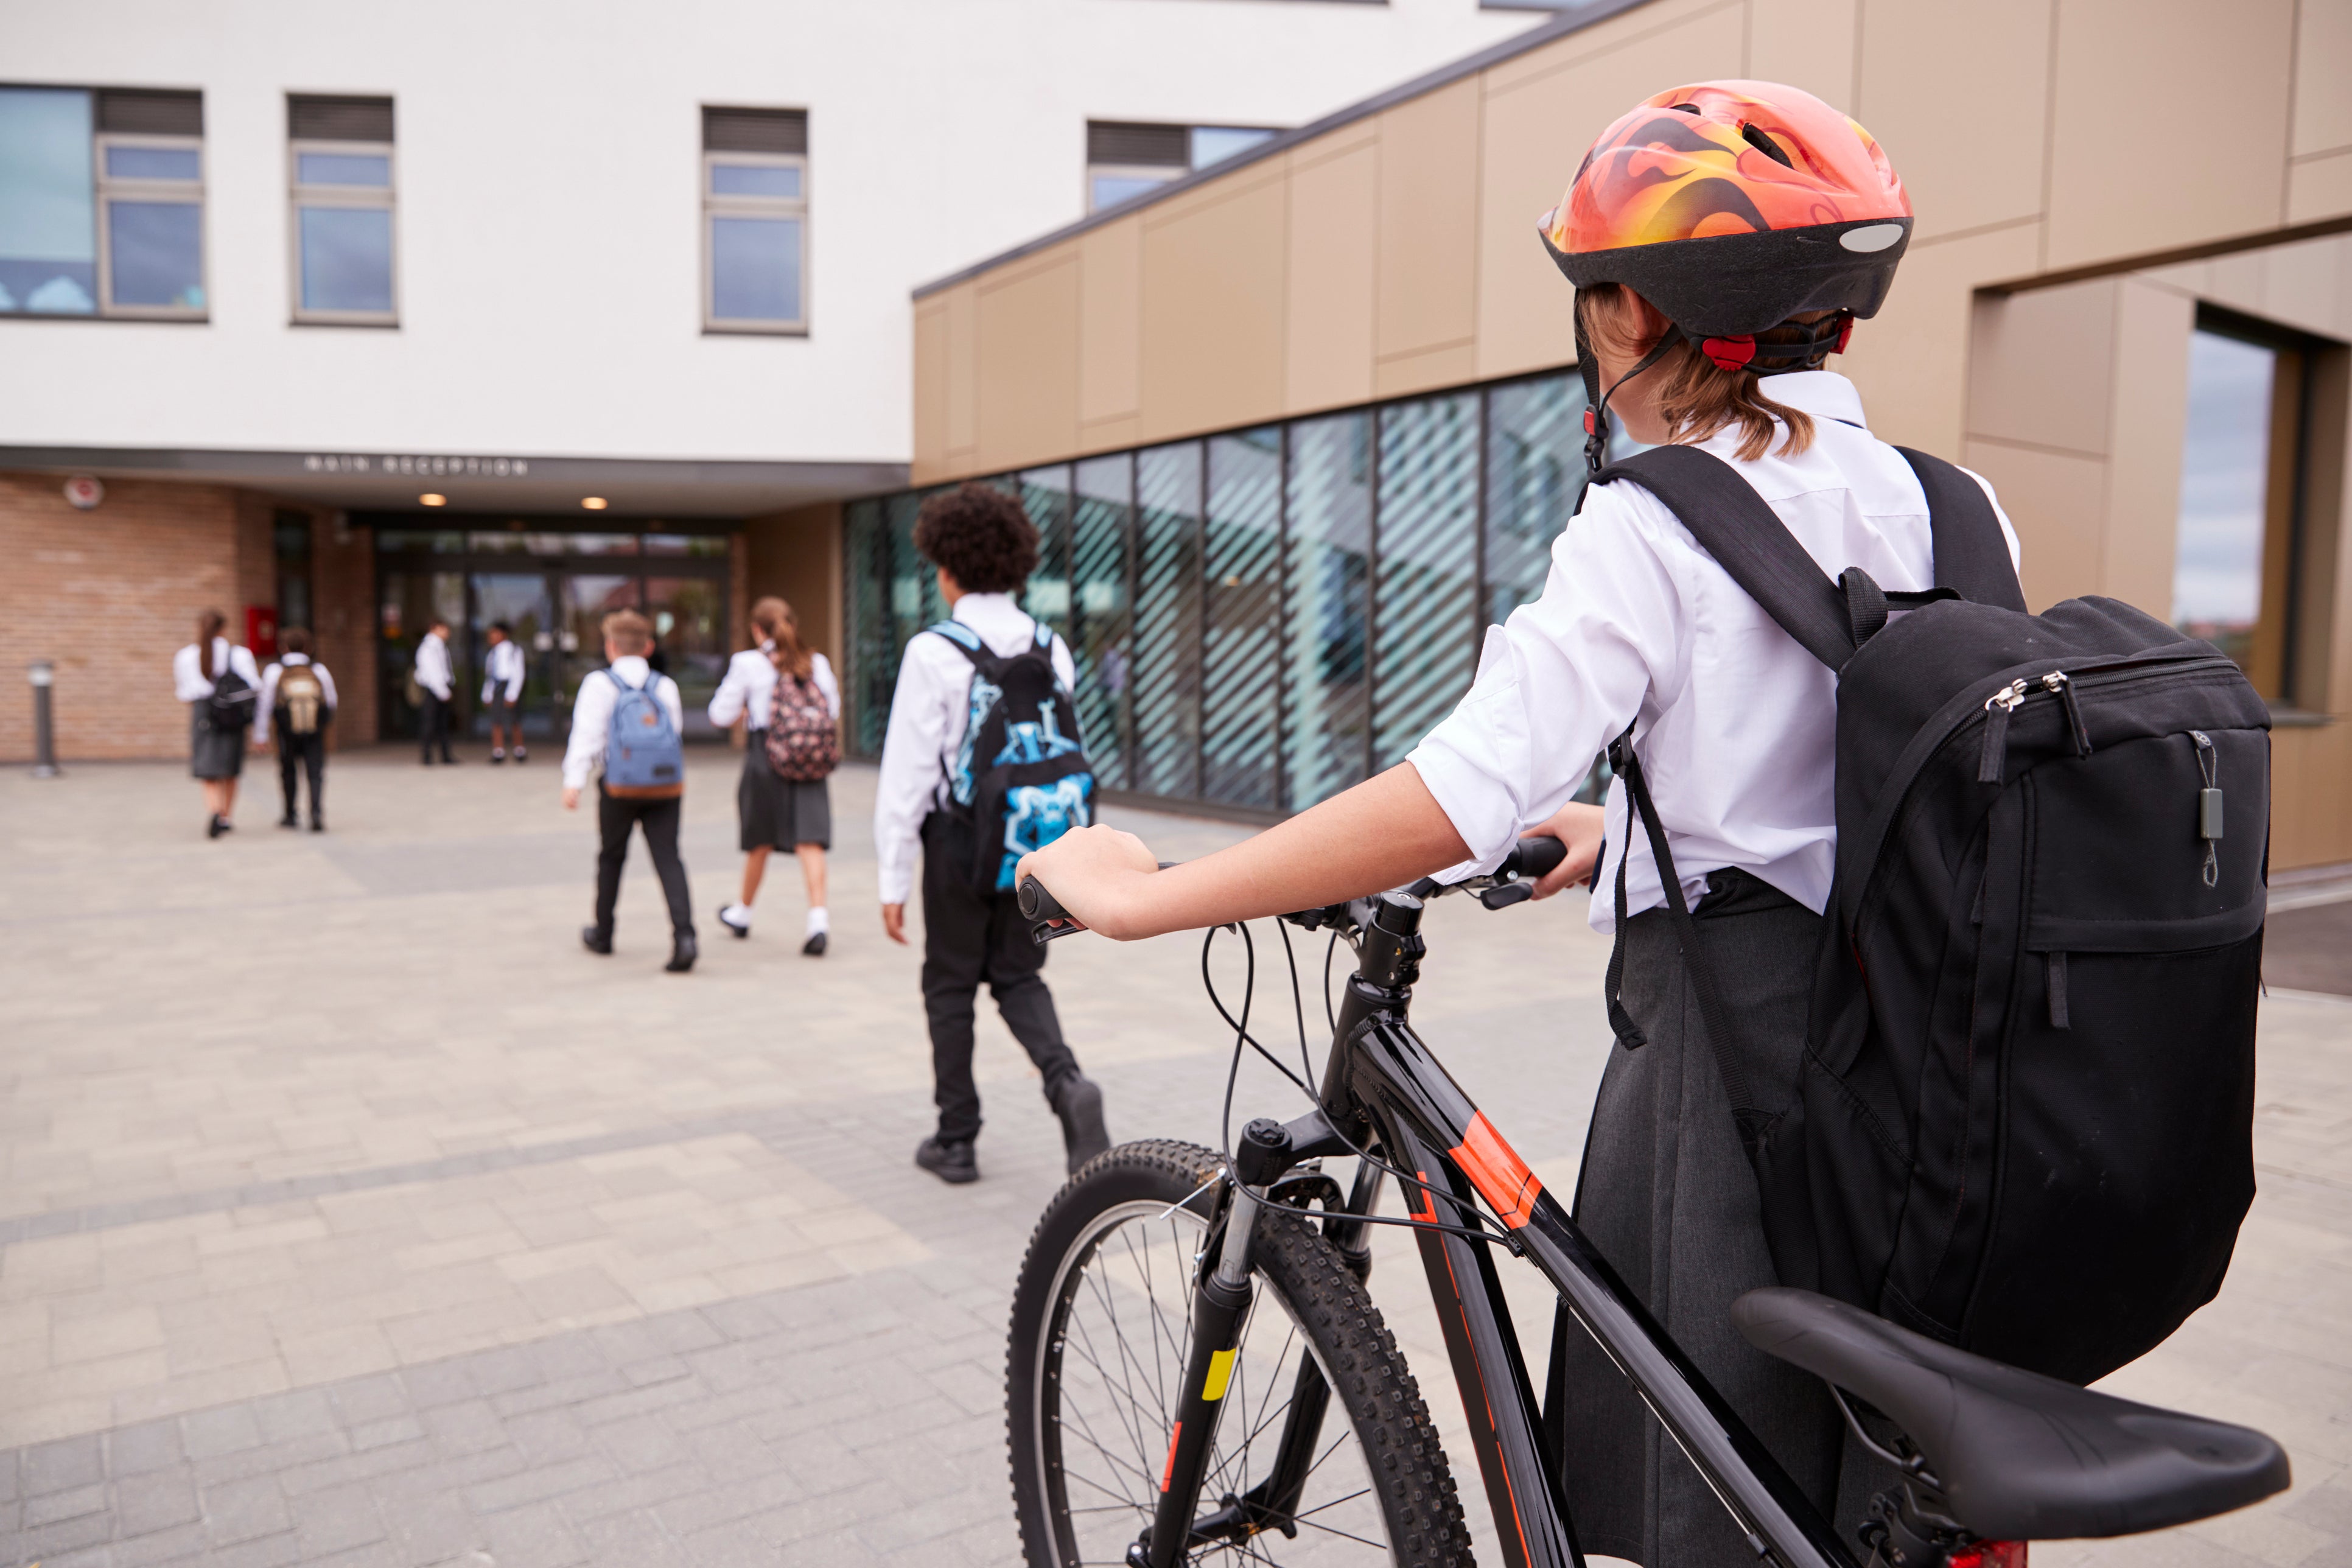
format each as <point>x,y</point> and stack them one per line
<point>525,601</point>
<point>588,598</point>
<point>689,617</point>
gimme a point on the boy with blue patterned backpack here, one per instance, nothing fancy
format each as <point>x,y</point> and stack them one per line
<point>982,764</point>
<point>630,719</point>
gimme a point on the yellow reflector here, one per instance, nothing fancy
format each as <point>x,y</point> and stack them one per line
<point>1221,1372</point>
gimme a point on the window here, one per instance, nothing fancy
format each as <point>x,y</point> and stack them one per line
<point>755,220</point>
<point>101,202</point>
<point>341,154</point>
<point>1125,160</point>
<point>289,538</point>
<point>2235,576</point>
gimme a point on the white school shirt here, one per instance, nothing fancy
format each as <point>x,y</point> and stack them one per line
<point>750,688</point>
<point>503,667</point>
<point>591,713</point>
<point>188,682</point>
<point>1736,723</point>
<point>269,700</point>
<point>928,713</point>
<point>432,666</point>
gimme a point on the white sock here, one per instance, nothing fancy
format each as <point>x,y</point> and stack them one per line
<point>817,920</point>
<point>736,914</point>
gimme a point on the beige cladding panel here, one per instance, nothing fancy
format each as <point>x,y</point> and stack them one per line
<point>2319,188</point>
<point>930,383</point>
<point>963,371</point>
<point>1110,331</point>
<point>1910,361</point>
<point>2322,77</point>
<point>2149,414</point>
<point>1536,131</point>
<point>1028,356</point>
<point>2056,501</point>
<point>1957,95</point>
<point>2170,128</point>
<point>1805,43</point>
<point>1427,286</point>
<point>1327,361</point>
<point>1213,308</point>
<point>2041,365</point>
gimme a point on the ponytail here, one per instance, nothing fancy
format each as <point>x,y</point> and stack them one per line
<point>208,627</point>
<point>773,621</point>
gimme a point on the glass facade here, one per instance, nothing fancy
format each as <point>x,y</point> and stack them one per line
<point>1261,619</point>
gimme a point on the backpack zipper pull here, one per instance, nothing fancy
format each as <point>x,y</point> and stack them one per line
<point>2209,803</point>
<point>2056,681</point>
<point>1998,709</point>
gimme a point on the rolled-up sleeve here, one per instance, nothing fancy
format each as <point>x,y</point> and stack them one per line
<point>910,767</point>
<point>1560,679</point>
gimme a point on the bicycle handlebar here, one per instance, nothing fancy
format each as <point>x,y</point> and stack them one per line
<point>1531,859</point>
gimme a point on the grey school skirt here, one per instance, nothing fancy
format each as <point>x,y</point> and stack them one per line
<point>214,753</point>
<point>1669,1198</point>
<point>778,812</point>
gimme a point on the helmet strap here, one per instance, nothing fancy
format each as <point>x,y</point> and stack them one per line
<point>1596,402</point>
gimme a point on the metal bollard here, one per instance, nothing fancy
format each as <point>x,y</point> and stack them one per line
<point>43,675</point>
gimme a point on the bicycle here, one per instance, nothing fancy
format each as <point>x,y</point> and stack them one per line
<point>1155,1418</point>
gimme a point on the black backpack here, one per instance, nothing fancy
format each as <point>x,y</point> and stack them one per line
<point>2024,1120</point>
<point>1019,781</point>
<point>231,704</point>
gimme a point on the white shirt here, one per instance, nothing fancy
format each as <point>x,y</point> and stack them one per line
<point>269,698</point>
<point>503,667</point>
<point>1737,723</point>
<point>928,713</point>
<point>432,665</point>
<point>188,682</point>
<point>591,713</point>
<point>749,691</point>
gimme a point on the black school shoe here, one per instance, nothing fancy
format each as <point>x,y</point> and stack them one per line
<point>950,1163</point>
<point>318,822</point>
<point>721,918</point>
<point>1079,1104</point>
<point>682,954</point>
<point>215,825</point>
<point>595,941</point>
<point>290,820</point>
<point>814,946</point>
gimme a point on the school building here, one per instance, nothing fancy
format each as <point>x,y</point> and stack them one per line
<point>1290,388</point>
<point>365,317</point>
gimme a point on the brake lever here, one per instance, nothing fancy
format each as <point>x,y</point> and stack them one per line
<point>1505,895</point>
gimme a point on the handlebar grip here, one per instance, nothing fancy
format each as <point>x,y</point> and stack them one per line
<point>1538,857</point>
<point>1037,904</point>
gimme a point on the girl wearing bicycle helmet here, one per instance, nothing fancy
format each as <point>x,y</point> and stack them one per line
<point>1723,238</point>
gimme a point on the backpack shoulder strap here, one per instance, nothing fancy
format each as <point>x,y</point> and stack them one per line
<point>1748,541</point>
<point>1971,556</point>
<point>966,641</point>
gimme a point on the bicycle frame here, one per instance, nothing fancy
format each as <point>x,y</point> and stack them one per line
<point>1384,1091</point>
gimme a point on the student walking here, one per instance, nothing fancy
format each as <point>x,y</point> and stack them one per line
<point>218,682</point>
<point>984,548</point>
<point>298,701</point>
<point>1716,343</point>
<point>502,678</point>
<point>628,720</point>
<point>436,685</point>
<point>781,675</point>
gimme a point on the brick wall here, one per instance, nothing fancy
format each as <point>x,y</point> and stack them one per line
<point>342,587</point>
<point>109,594</point>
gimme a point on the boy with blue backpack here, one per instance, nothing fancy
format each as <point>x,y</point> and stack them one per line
<point>630,719</point>
<point>981,765</point>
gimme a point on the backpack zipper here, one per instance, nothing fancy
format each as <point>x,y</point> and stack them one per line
<point>1999,708</point>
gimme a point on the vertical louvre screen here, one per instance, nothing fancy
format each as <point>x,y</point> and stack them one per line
<point>873,670</point>
<point>1045,494</point>
<point>1099,617</point>
<point>1425,596</point>
<point>1327,584</point>
<point>1168,621</point>
<point>1240,709</point>
<point>1535,470</point>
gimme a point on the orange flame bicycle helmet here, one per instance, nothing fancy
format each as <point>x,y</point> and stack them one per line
<point>1732,206</point>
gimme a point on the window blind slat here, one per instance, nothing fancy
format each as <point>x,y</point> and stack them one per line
<point>1152,146</point>
<point>150,113</point>
<point>755,130</point>
<point>319,118</point>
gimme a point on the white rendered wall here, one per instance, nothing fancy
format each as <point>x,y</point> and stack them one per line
<point>548,218</point>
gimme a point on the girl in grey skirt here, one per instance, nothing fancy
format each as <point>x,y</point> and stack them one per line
<point>216,755</point>
<point>777,812</point>
<point>1639,630</point>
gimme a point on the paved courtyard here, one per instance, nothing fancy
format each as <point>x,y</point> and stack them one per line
<point>353,1214</point>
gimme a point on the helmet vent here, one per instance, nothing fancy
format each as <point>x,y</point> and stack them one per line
<point>1692,109</point>
<point>1766,145</point>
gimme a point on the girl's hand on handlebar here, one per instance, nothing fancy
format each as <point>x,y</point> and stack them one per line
<point>1097,873</point>
<point>1580,828</point>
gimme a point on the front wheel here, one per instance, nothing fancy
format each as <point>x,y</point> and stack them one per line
<point>1101,1328</point>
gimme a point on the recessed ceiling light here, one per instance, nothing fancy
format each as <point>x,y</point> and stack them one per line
<point>593,503</point>
<point>430,499</point>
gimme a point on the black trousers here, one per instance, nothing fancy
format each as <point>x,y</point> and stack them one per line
<point>302,754</point>
<point>969,937</point>
<point>659,819</point>
<point>433,725</point>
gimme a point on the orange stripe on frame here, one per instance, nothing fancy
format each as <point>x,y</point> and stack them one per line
<point>1168,1470</point>
<point>1496,1169</point>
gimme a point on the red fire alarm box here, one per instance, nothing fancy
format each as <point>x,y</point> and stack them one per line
<point>261,630</point>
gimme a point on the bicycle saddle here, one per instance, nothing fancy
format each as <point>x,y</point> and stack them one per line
<point>2019,1456</point>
